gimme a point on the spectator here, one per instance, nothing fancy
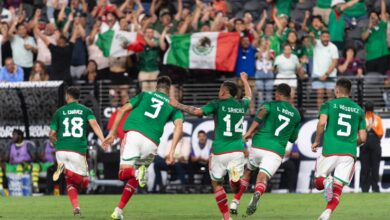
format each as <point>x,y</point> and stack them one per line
<point>47,153</point>
<point>374,38</point>
<point>3,38</point>
<point>370,152</point>
<point>246,60</point>
<point>6,50</point>
<point>349,65</point>
<point>61,54</point>
<point>52,6</point>
<point>199,159</point>
<point>11,72</point>
<point>264,73</point>
<point>307,55</point>
<point>269,32</point>
<point>90,75</point>
<point>182,154</point>
<point>23,47</point>
<point>287,68</point>
<point>325,59</point>
<point>336,22</point>
<point>94,53</point>
<point>357,14</point>
<point>292,40</point>
<point>20,151</point>
<point>290,165</point>
<point>316,26</point>
<point>79,54</point>
<point>149,61</point>
<point>323,9</point>
<point>44,54</point>
<point>165,17</point>
<point>39,72</point>
<point>283,7</point>
<point>220,6</point>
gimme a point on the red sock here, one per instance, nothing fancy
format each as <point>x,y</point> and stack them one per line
<point>126,173</point>
<point>85,182</point>
<point>235,185</point>
<point>128,191</point>
<point>74,178</point>
<point>72,193</point>
<point>337,190</point>
<point>319,183</point>
<point>260,187</point>
<point>243,186</point>
<point>220,197</point>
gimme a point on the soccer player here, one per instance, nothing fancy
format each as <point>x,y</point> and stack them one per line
<point>69,128</point>
<point>228,146</point>
<point>345,129</point>
<point>279,123</point>
<point>150,111</point>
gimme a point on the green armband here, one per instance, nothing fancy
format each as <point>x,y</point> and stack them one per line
<point>258,120</point>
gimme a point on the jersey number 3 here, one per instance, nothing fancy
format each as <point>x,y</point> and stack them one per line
<point>77,127</point>
<point>157,104</point>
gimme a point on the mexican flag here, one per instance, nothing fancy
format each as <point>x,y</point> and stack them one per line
<point>120,43</point>
<point>204,50</point>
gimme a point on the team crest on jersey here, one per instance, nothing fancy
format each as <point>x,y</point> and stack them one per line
<point>203,47</point>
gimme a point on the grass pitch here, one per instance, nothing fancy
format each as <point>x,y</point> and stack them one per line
<point>195,207</point>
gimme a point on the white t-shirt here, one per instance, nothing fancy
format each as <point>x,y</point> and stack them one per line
<point>322,59</point>
<point>286,66</point>
<point>265,64</point>
<point>44,54</point>
<point>22,56</point>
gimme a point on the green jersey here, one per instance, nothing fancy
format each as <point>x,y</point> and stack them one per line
<point>376,44</point>
<point>336,25</point>
<point>324,4</point>
<point>345,119</point>
<point>151,111</point>
<point>229,117</point>
<point>284,6</point>
<point>71,125</point>
<point>357,10</point>
<point>149,59</point>
<point>280,125</point>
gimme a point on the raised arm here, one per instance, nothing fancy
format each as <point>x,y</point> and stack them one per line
<point>118,118</point>
<point>65,31</point>
<point>163,44</point>
<point>186,108</point>
<point>247,87</point>
<point>304,23</point>
<point>260,25</point>
<point>84,6</point>
<point>75,33</point>
<point>320,131</point>
<point>95,30</point>
<point>197,13</point>
<point>383,11</point>
<point>179,10</point>
<point>349,4</point>
<point>154,6</point>
<point>177,135</point>
<point>38,34</point>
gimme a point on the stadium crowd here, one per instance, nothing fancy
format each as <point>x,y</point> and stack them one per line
<point>280,41</point>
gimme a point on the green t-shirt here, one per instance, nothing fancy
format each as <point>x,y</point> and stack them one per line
<point>317,33</point>
<point>159,27</point>
<point>229,117</point>
<point>71,124</point>
<point>284,6</point>
<point>376,44</point>
<point>151,111</point>
<point>280,125</point>
<point>357,10</point>
<point>299,51</point>
<point>274,43</point>
<point>324,4</point>
<point>149,59</point>
<point>345,119</point>
<point>336,25</point>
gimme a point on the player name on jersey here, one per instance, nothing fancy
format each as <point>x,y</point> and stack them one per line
<point>285,111</point>
<point>346,108</point>
<point>234,110</point>
<point>72,112</point>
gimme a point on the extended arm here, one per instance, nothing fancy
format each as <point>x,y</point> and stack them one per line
<point>255,124</point>
<point>320,131</point>
<point>53,136</point>
<point>186,108</point>
<point>98,131</point>
<point>118,118</point>
<point>179,10</point>
<point>247,87</point>
<point>177,135</point>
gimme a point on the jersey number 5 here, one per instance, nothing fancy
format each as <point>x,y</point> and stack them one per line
<point>237,128</point>
<point>157,104</point>
<point>77,127</point>
<point>285,121</point>
<point>346,124</point>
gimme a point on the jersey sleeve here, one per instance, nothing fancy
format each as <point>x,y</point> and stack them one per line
<point>136,100</point>
<point>246,101</point>
<point>209,108</point>
<point>362,121</point>
<point>90,115</point>
<point>265,106</point>
<point>177,114</point>
<point>294,135</point>
<point>54,122</point>
<point>324,110</point>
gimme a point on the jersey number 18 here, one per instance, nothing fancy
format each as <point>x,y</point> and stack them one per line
<point>76,127</point>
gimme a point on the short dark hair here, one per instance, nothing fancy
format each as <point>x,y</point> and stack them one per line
<point>284,90</point>
<point>20,25</point>
<point>202,132</point>
<point>369,106</point>
<point>74,92</point>
<point>18,132</point>
<point>164,81</point>
<point>344,84</point>
<point>231,86</point>
<point>238,19</point>
<point>317,17</point>
<point>324,32</point>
